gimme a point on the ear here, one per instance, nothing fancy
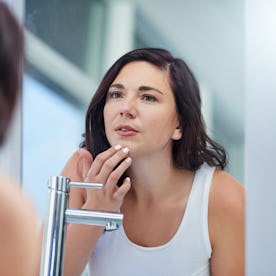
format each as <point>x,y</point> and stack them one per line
<point>177,134</point>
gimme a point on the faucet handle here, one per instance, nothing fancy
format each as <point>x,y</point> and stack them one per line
<point>90,185</point>
<point>111,221</point>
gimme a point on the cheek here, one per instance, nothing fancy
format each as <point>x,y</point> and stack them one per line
<point>160,124</point>
<point>164,124</point>
<point>167,118</point>
<point>106,115</point>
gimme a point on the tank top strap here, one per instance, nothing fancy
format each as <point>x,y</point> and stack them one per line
<point>199,201</point>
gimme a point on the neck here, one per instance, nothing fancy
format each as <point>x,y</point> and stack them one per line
<point>155,178</point>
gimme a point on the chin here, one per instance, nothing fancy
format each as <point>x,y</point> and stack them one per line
<point>122,142</point>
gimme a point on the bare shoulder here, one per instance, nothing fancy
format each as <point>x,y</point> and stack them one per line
<point>72,168</point>
<point>226,194</point>
<point>19,233</point>
<point>227,224</point>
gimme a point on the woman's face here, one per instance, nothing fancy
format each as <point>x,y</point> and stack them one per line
<point>140,110</point>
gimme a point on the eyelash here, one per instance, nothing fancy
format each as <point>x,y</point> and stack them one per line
<point>149,98</point>
<point>145,97</point>
<point>114,95</point>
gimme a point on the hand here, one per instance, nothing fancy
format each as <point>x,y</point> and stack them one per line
<point>102,170</point>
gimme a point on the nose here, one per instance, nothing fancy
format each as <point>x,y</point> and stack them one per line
<point>128,108</point>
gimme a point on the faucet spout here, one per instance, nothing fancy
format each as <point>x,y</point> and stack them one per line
<point>110,220</point>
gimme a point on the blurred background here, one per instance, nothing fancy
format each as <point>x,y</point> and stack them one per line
<point>70,45</point>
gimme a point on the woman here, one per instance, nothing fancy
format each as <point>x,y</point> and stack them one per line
<point>19,248</point>
<point>145,141</point>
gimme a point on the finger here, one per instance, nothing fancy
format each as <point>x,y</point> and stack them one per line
<point>111,164</point>
<point>101,159</point>
<point>122,191</point>
<point>114,177</point>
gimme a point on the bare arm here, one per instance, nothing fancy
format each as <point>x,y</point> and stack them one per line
<point>227,226</point>
<point>81,239</point>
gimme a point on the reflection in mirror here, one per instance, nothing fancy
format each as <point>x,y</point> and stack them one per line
<point>71,44</point>
<point>210,39</point>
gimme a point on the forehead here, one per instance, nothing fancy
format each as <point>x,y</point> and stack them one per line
<point>143,72</point>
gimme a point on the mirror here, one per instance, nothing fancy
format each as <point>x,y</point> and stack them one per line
<point>70,45</point>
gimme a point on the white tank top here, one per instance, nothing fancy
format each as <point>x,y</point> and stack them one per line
<point>187,253</point>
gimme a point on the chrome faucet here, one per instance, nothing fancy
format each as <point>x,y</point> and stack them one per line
<point>59,215</point>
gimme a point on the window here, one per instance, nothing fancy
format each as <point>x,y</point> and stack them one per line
<point>52,129</point>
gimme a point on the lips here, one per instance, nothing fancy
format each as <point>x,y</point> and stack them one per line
<point>126,130</point>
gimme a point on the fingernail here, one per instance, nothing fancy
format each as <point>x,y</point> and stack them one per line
<point>125,150</point>
<point>127,179</point>
<point>117,147</point>
<point>128,160</point>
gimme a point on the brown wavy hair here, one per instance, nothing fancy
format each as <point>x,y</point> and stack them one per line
<point>195,147</point>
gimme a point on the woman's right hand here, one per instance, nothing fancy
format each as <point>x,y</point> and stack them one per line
<point>104,169</point>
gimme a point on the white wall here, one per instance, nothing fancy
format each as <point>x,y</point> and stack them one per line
<point>260,148</point>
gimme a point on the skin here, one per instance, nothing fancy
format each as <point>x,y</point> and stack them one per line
<point>20,251</point>
<point>140,105</point>
<point>140,115</point>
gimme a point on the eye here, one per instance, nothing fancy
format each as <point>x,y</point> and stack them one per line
<point>114,94</point>
<point>149,98</point>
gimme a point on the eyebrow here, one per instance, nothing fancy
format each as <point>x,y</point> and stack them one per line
<point>147,88</point>
<point>117,85</point>
<point>141,88</point>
